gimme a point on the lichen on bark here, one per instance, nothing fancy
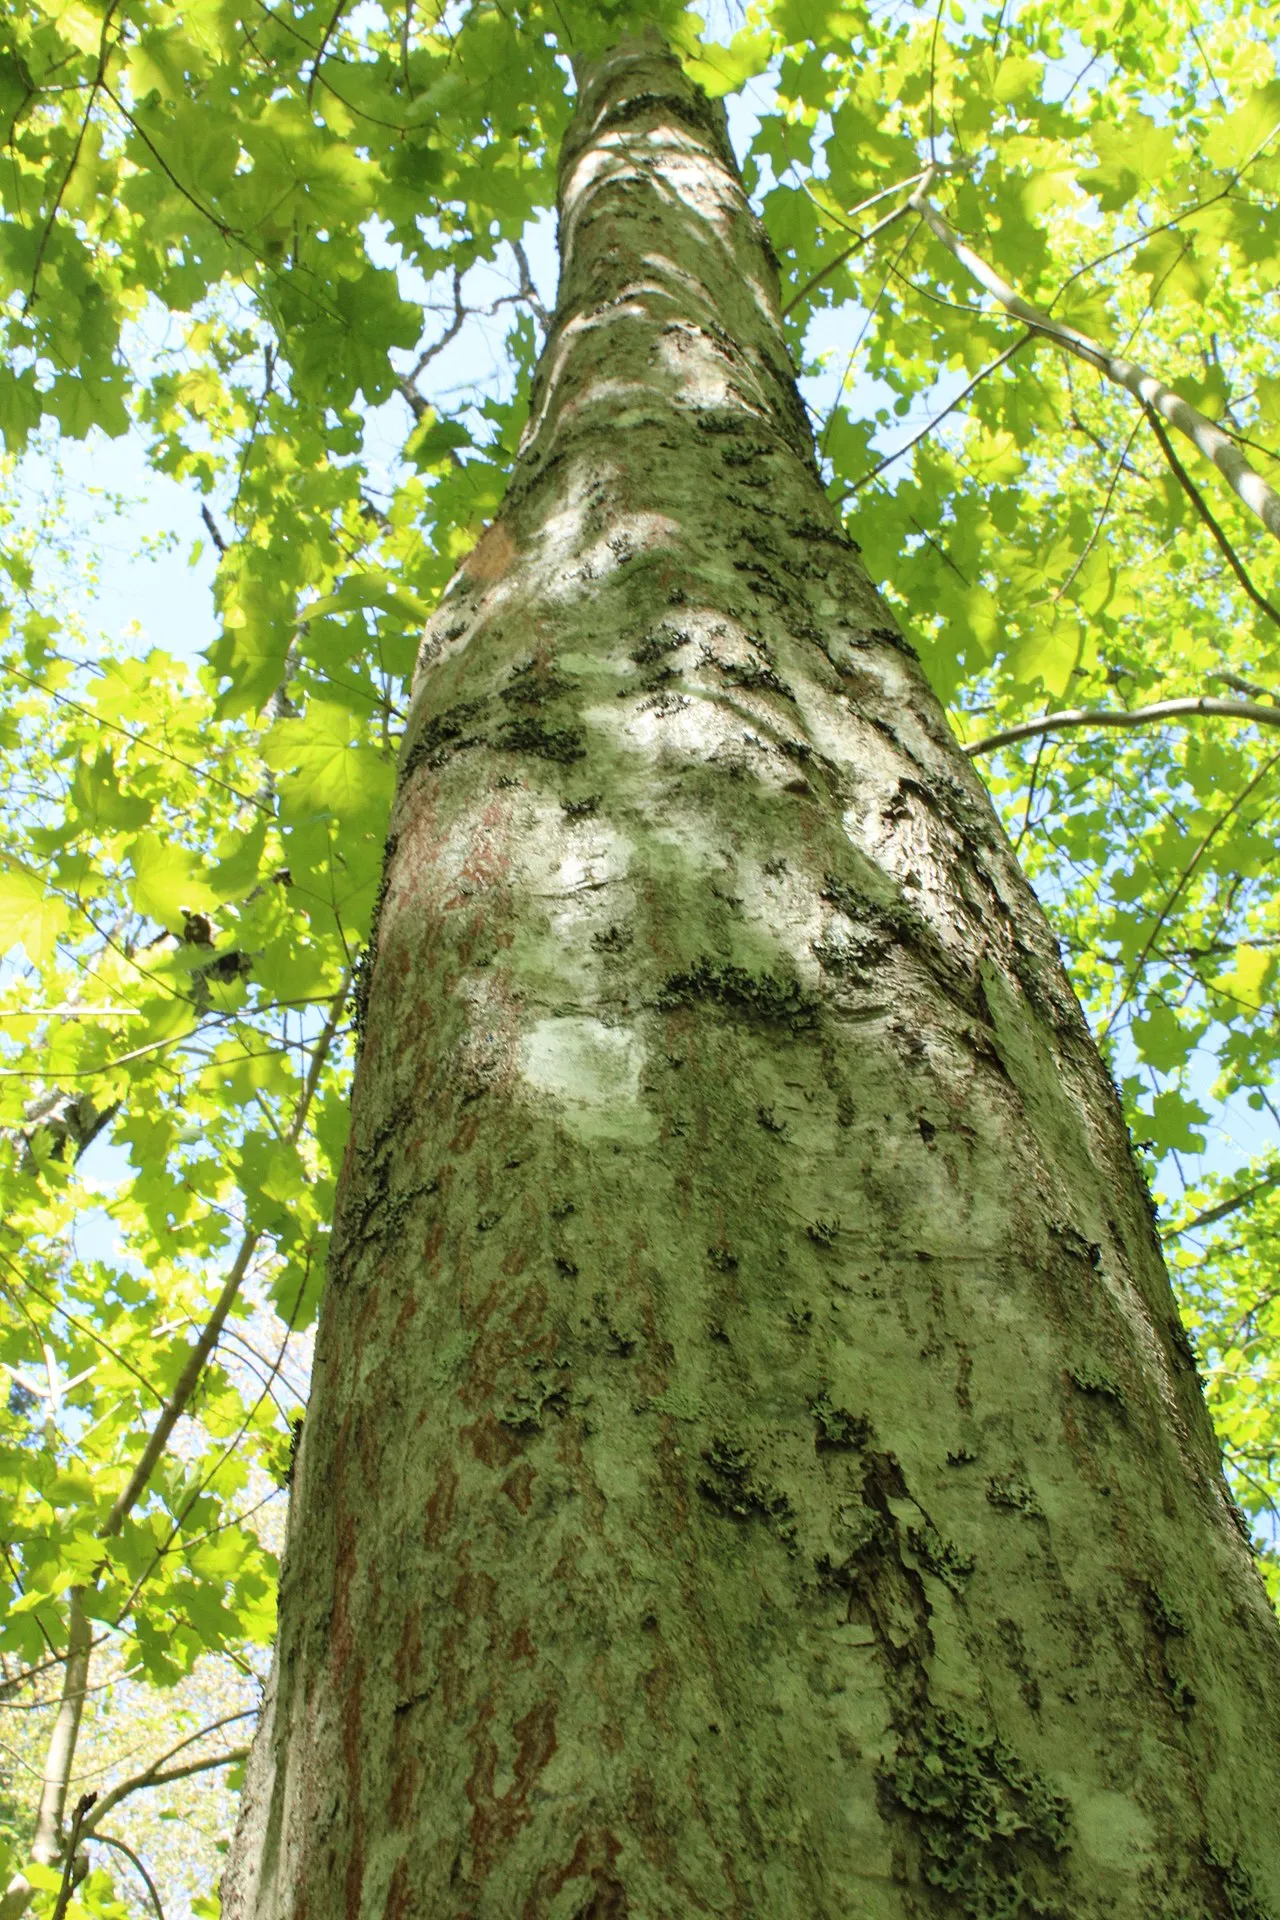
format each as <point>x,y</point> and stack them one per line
<point>750,1419</point>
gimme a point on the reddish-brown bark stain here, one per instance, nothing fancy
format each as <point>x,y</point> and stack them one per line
<point>536,1738</point>
<point>522,1647</point>
<point>400,1894</point>
<point>344,1571</point>
<point>354,1880</point>
<point>517,1260</point>
<point>657,1686</point>
<point>531,1309</point>
<point>518,1486</point>
<point>452,1656</point>
<point>404,1793</point>
<point>409,1652</point>
<point>408,1308</point>
<point>497,1819</point>
<point>492,1444</point>
<point>593,1860</point>
<point>647,1823</point>
<point>352,1750</point>
<point>491,556</point>
<point>487,863</point>
<point>440,1505</point>
<point>465,1134</point>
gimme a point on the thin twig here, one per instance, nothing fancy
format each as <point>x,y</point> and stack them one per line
<point>861,240</point>
<point>323,48</point>
<point>108,1840</point>
<point>83,1805</point>
<point>1183,878</point>
<point>74,161</point>
<point>1101,520</point>
<point>938,418</point>
<point>135,739</point>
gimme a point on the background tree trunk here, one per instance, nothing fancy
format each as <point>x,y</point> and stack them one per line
<point>754,1466</point>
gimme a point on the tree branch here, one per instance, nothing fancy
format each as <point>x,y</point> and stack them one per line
<point>46,1845</point>
<point>1201,506</point>
<point>214,532</point>
<point>83,1805</point>
<point>323,48</point>
<point>47,230</point>
<point>176,1405</point>
<point>1207,704</point>
<point>527,290</point>
<point>153,1776</point>
<point>1212,1215</point>
<point>1151,392</point>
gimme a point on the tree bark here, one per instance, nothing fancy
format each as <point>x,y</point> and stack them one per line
<point>754,1465</point>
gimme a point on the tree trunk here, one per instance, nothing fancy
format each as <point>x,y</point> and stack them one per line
<point>754,1466</point>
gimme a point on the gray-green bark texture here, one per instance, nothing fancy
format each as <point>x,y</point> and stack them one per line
<point>754,1466</point>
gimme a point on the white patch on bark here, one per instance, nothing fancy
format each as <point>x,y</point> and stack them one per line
<point>591,1071</point>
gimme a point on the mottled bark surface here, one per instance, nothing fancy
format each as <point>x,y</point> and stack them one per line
<point>754,1466</point>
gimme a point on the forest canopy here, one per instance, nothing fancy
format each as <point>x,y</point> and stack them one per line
<point>300,256</point>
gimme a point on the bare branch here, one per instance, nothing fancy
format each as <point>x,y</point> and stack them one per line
<point>1069,717</point>
<point>83,1805</point>
<point>1146,388</point>
<point>407,383</point>
<point>157,1774</point>
<point>323,48</point>
<point>1212,1215</point>
<point>214,533</point>
<point>1201,506</point>
<point>1248,687</point>
<point>526,289</point>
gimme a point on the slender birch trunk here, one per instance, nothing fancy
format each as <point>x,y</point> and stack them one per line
<point>754,1466</point>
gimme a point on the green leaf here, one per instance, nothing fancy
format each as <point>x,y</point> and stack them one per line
<point>1173,1123</point>
<point>434,441</point>
<point>371,588</point>
<point>30,915</point>
<point>168,882</point>
<point>325,769</point>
